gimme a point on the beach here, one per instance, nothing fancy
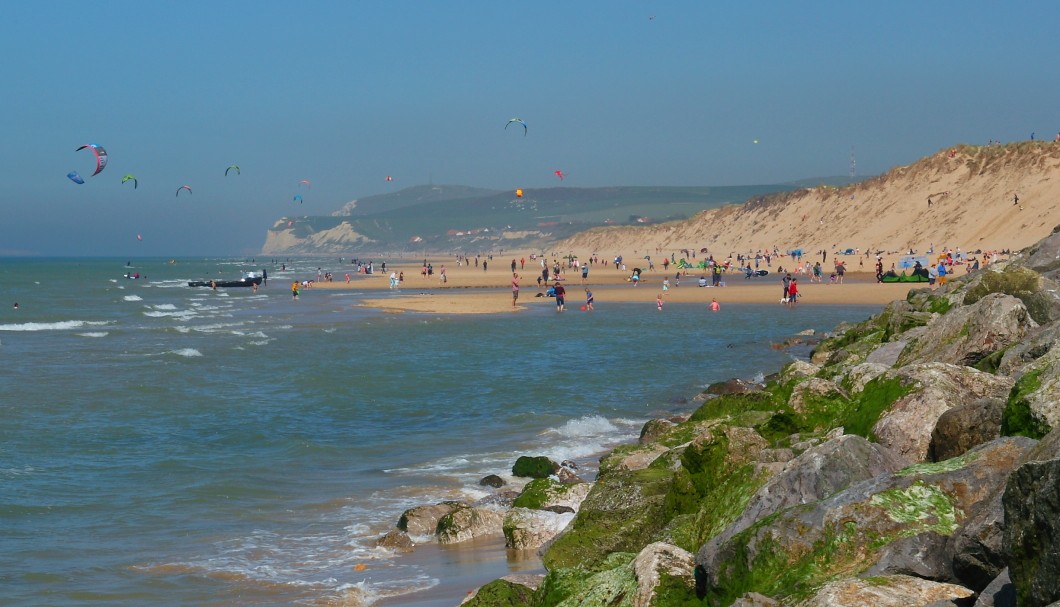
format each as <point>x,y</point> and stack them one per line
<point>470,290</point>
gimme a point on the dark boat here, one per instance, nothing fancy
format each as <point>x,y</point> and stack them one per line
<point>249,279</point>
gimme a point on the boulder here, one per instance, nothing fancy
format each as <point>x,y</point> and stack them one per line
<point>653,562</point>
<point>999,593</point>
<point>1036,344</point>
<point>1034,407</point>
<point>1032,532</point>
<point>753,599</point>
<point>887,354</point>
<point>569,477</point>
<point>731,386</point>
<point>534,467</point>
<point>804,395</point>
<point>395,539</point>
<point>467,523</point>
<point>422,521</point>
<point>508,591</point>
<point>653,429</point>
<point>542,493</point>
<point>924,555</point>
<point>798,369</point>
<point>965,426</point>
<point>817,473</point>
<point>885,591</point>
<point>977,554</point>
<point>968,334</point>
<point>857,376</point>
<point>492,480</point>
<point>807,545</point>
<point>906,427</point>
<point>526,529</point>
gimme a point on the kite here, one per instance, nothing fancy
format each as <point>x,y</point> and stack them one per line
<point>74,177</point>
<point>132,178</point>
<point>101,155</point>
<point>183,187</point>
<point>519,193</point>
<point>307,183</point>
<point>230,167</point>
<point>298,198</point>
<point>559,174</point>
<point>138,237</point>
<point>389,178</point>
<point>520,121</point>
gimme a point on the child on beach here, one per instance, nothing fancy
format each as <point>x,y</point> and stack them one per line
<point>659,301</point>
<point>588,300</point>
<point>714,305</point>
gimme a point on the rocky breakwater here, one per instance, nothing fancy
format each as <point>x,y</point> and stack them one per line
<point>914,460</point>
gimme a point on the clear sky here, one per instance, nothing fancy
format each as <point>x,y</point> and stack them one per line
<point>345,93</point>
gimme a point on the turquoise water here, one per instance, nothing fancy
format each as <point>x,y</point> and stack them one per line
<point>194,447</point>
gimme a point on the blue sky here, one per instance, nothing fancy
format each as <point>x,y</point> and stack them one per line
<point>346,93</point>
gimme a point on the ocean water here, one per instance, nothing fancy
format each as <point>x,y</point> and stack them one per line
<point>178,446</point>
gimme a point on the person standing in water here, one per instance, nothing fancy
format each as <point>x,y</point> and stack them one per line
<point>515,287</point>
<point>294,290</point>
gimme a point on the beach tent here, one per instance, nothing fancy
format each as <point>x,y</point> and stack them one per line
<point>908,261</point>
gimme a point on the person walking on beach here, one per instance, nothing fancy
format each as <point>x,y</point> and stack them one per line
<point>515,288</point>
<point>560,293</point>
<point>1015,199</point>
<point>585,273</point>
<point>513,265</point>
<point>264,277</point>
<point>793,292</point>
<point>441,274</point>
<point>787,281</point>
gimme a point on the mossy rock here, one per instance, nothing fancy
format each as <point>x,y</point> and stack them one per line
<point>729,405</point>
<point>1018,419</point>
<point>534,467</point>
<point>623,512</point>
<point>502,593</point>
<point>542,492</point>
<point>1021,283</point>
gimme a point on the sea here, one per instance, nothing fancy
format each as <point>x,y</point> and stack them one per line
<point>176,446</point>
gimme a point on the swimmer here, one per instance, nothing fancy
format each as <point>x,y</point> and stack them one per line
<point>15,306</point>
<point>714,305</point>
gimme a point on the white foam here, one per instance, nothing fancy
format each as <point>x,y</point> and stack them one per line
<point>183,314</point>
<point>132,298</point>
<point>188,352</point>
<point>94,334</point>
<point>61,325</point>
<point>165,307</point>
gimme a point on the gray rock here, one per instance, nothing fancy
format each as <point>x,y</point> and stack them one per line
<point>395,539</point>
<point>653,429</point>
<point>654,561</point>
<point>968,334</point>
<point>526,529</point>
<point>1032,531</point>
<point>886,591</point>
<point>852,523</point>
<point>816,474</point>
<point>906,427</point>
<point>964,427</point>
<point>492,480</point>
<point>422,521</point>
<point>467,523</point>
<point>977,554</point>
<point>753,599</point>
<point>924,555</point>
<point>999,593</point>
<point>887,354</point>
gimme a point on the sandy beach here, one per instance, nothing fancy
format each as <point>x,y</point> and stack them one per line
<point>470,290</point>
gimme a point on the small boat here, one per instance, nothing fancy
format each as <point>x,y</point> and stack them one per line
<point>249,279</point>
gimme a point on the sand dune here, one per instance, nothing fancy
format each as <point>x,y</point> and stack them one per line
<point>971,189</point>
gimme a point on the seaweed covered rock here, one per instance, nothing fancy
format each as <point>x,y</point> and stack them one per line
<point>502,593</point>
<point>542,493</point>
<point>1035,291</point>
<point>817,473</point>
<point>792,552</point>
<point>534,467</point>
<point>971,333</point>
<point>1032,532</point>
<point>1034,404</point>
